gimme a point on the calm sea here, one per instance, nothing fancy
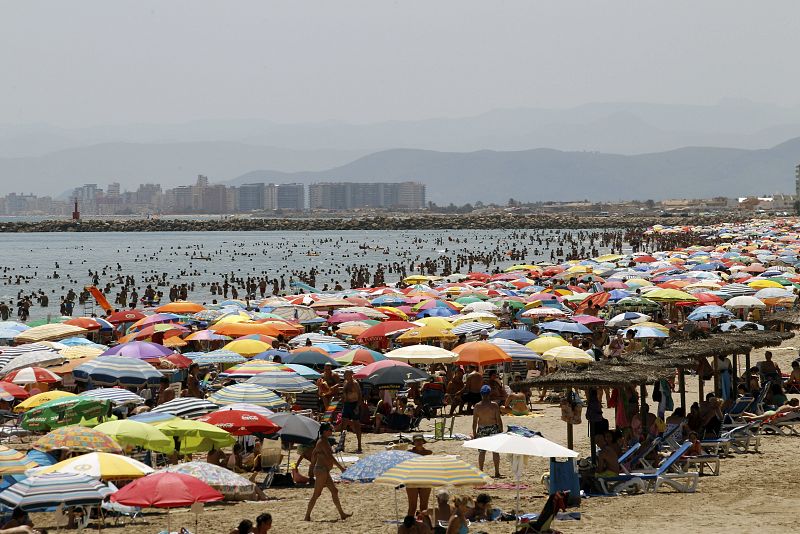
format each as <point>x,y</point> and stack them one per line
<point>39,257</point>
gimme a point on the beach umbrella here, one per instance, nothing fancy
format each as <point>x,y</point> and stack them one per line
<point>740,325</point>
<point>215,356</point>
<point>424,334</point>
<point>645,332</point>
<point>166,490</point>
<point>470,328</point>
<point>117,370</point>
<point>142,350</point>
<point>10,392</point>
<point>90,323</point>
<point>77,439</point>
<point>296,428</point>
<point>130,433</point>
<point>305,372</point>
<point>13,462</point>
<point>567,354</point>
<point>565,327</point>
<point>247,347</point>
<point>31,375</point>
<point>167,331</point>
<point>433,471</point>
<point>196,436</point>
<point>517,334</point>
<point>423,354</point>
<point>245,328</point>
<point>40,398</point>
<point>251,368</point>
<point>151,418</point>
<point>704,312</point>
<point>100,465</point>
<point>357,356</point>
<point>180,306</point>
<point>125,316</point>
<point>369,468</point>
<point>40,358</point>
<point>330,348</point>
<point>283,382</point>
<point>178,360</point>
<point>480,353</point>
<point>670,295</point>
<point>83,351</point>
<point>64,411</point>
<point>515,350</point>
<point>542,344</point>
<point>223,480</point>
<point>240,423</point>
<point>40,492</point>
<point>8,334</point>
<point>247,407</point>
<point>49,332</point>
<point>397,375</point>
<point>744,302</point>
<point>512,443</point>
<point>271,354</point>
<point>311,359</point>
<point>248,393</point>
<point>186,407</point>
<point>156,318</point>
<point>316,338</point>
<point>384,329</point>
<point>206,335</point>
<point>628,318</point>
<point>13,325</point>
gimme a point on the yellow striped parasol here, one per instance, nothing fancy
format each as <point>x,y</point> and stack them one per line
<point>433,472</point>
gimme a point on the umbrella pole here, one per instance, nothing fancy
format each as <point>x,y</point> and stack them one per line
<point>682,386</point>
<point>169,528</point>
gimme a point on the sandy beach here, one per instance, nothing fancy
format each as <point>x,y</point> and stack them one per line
<point>752,494</point>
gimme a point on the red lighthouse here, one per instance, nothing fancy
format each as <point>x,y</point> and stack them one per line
<point>76,215</point>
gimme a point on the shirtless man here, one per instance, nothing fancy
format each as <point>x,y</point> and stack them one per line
<point>472,388</point>
<point>454,388</point>
<point>324,460</point>
<point>193,383</point>
<point>328,385</point>
<point>607,464</point>
<point>487,421</point>
<point>351,404</point>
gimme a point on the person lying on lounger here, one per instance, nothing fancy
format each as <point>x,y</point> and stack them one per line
<point>792,406</point>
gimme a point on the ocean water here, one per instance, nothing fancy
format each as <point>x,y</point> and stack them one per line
<point>56,262</point>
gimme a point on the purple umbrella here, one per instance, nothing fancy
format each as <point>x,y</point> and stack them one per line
<point>143,350</point>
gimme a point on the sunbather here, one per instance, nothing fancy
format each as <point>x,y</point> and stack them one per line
<point>793,382</point>
<point>607,460</point>
<point>792,406</point>
<point>458,521</point>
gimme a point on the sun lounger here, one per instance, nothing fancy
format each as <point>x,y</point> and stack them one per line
<point>662,476</point>
<point>739,439</point>
<point>703,461</point>
<point>786,425</point>
<point>733,417</point>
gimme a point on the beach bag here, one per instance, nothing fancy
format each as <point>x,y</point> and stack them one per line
<point>704,369</point>
<point>657,393</point>
<point>576,414</point>
<point>566,411</point>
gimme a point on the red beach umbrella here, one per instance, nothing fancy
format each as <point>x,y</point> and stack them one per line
<point>166,490</point>
<point>240,422</point>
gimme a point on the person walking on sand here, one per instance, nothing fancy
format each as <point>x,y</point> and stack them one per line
<point>351,408</point>
<point>324,460</point>
<point>487,421</point>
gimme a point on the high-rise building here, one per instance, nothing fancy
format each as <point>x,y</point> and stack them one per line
<point>251,197</point>
<point>214,199</point>
<point>113,190</point>
<point>290,197</point>
<point>351,195</point>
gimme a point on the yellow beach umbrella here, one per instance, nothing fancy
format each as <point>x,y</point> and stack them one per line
<point>670,295</point>
<point>432,472</point>
<point>761,284</point>
<point>78,351</point>
<point>567,354</point>
<point>247,347</point>
<point>436,322</point>
<point>544,343</point>
<point>102,465</point>
<point>425,333</point>
<point>41,398</point>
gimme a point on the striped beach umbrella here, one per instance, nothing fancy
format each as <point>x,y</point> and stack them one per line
<point>432,472</point>
<point>13,462</point>
<point>358,356</point>
<point>283,382</point>
<point>249,393</point>
<point>516,350</point>
<point>252,368</point>
<point>117,370</point>
<point>470,328</point>
<point>45,491</point>
<point>31,375</point>
<point>116,396</point>
<point>83,351</point>
<point>77,439</point>
<point>316,339</point>
<point>40,358</point>
<point>186,407</point>
<point>102,465</point>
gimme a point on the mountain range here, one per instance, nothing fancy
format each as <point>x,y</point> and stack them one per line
<point>602,150</point>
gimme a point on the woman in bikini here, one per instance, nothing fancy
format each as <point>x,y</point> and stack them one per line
<point>323,461</point>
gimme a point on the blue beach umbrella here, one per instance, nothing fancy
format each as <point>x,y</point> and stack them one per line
<point>371,467</point>
<point>54,489</point>
<point>565,327</point>
<point>117,370</point>
<point>519,335</point>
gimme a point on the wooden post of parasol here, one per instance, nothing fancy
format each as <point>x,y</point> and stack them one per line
<point>715,366</point>
<point>569,424</point>
<point>682,386</point>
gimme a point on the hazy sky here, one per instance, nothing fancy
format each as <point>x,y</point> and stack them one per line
<point>78,63</point>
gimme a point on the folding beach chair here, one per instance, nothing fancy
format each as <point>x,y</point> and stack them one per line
<point>270,461</point>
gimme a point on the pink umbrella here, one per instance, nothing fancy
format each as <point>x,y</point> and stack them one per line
<point>337,318</point>
<point>587,320</point>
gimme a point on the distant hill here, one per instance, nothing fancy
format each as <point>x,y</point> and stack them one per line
<point>169,164</point>
<point>545,174</point>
